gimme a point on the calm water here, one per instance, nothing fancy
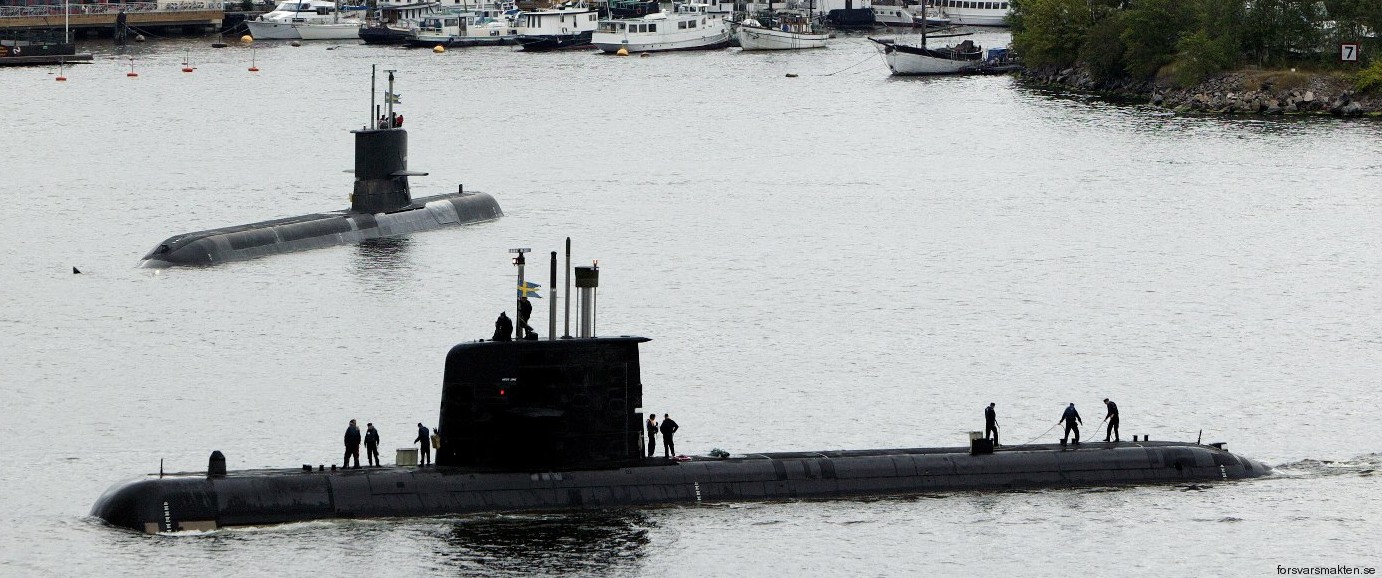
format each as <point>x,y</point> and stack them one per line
<point>836,260</point>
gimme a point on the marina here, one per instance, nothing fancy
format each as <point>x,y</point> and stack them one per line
<point>834,261</point>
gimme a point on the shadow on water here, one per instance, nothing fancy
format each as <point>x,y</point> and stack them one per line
<point>582,543</point>
<point>384,264</point>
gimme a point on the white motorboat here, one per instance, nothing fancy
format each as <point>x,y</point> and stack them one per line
<point>343,29</point>
<point>905,60</point>
<point>687,27</point>
<point>900,14</point>
<point>781,31</point>
<point>972,12</point>
<point>569,25</point>
<point>468,29</point>
<point>286,21</point>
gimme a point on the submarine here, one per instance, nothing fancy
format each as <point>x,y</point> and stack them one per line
<point>556,424</point>
<point>381,205</point>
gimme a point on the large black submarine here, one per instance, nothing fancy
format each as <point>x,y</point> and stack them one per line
<point>380,206</point>
<point>555,424</point>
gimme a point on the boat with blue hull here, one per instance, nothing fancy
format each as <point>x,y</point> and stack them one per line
<point>381,205</point>
<point>557,424</point>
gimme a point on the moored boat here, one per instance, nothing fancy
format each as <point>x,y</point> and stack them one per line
<point>392,23</point>
<point>904,60</point>
<point>26,47</point>
<point>780,31</point>
<point>973,12</point>
<point>569,25</point>
<point>468,29</point>
<point>687,27</point>
<point>288,20</point>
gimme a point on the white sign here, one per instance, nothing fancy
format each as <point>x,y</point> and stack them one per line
<point>1348,52</point>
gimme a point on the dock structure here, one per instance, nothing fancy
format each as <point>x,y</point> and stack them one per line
<point>161,17</point>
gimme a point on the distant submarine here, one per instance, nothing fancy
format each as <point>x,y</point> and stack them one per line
<point>380,206</point>
<point>556,425</point>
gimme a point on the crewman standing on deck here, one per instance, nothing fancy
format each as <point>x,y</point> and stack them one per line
<point>652,434</point>
<point>424,437</point>
<point>1112,419</point>
<point>668,427</point>
<point>352,445</point>
<point>1072,423</point>
<point>991,424</point>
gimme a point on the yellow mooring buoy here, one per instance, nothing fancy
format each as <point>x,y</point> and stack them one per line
<point>438,49</point>
<point>622,51</point>
<point>247,39</point>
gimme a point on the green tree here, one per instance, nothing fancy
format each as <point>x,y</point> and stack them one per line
<point>1151,31</point>
<point>1214,45</point>
<point>1050,32</point>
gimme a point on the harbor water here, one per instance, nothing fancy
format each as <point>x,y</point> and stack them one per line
<point>835,260</point>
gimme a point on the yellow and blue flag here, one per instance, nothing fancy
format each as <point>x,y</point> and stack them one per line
<point>529,289</point>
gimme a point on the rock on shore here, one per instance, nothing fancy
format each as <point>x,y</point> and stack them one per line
<point>1238,92</point>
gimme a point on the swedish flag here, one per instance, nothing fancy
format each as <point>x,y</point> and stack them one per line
<point>393,98</point>
<point>529,289</point>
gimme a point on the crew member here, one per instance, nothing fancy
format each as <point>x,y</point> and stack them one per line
<point>525,311</point>
<point>503,328</point>
<point>669,427</point>
<point>991,424</point>
<point>1072,421</point>
<point>1112,419</point>
<point>371,445</point>
<point>397,119</point>
<point>352,445</point>
<point>652,434</point>
<point>424,437</point>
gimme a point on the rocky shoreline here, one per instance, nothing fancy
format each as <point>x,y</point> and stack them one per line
<point>1238,92</point>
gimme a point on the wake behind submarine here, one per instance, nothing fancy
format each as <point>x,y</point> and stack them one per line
<point>380,206</point>
<point>556,424</point>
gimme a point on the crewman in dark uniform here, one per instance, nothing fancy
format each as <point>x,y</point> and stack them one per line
<point>424,437</point>
<point>352,445</point>
<point>991,424</point>
<point>371,445</point>
<point>525,311</point>
<point>652,434</point>
<point>503,329</point>
<point>1112,419</point>
<point>1072,421</point>
<point>669,427</point>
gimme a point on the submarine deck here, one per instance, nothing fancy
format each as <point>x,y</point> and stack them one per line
<point>658,462</point>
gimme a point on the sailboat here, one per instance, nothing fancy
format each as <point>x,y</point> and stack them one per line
<point>906,60</point>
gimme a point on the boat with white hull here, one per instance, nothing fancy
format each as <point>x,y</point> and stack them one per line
<point>344,29</point>
<point>781,32</point>
<point>905,60</point>
<point>973,13</point>
<point>287,21</point>
<point>569,25</point>
<point>464,30</point>
<point>687,27</point>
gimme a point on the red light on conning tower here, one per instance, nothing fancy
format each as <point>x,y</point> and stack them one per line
<point>501,393</point>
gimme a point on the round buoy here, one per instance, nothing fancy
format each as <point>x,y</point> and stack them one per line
<point>61,79</point>
<point>131,74</point>
<point>295,43</point>
<point>438,49</point>
<point>621,52</point>
<point>254,69</point>
<point>187,69</point>
<point>247,39</point>
<point>644,55</point>
<point>791,75</point>
<point>138,37</point>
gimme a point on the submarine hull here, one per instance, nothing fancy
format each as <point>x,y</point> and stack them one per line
<point>191,502</point>
<point>319,230</point>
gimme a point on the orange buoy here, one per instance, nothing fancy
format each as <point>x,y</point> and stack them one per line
<point>131,74</point>
<point>61,79</point>
<point>187,69</point>
<point>254,69</point>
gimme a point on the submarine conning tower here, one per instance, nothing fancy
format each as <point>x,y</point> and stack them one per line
<point>381,171</point>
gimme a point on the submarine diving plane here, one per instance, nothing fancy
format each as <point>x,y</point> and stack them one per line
<point>380,206</point>
<point>556,424</point>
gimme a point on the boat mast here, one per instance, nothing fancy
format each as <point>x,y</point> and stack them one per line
<point>372,107</point>
<point>66,20</point>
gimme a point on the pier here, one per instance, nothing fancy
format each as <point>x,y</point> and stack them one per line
<point>163,18</point>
